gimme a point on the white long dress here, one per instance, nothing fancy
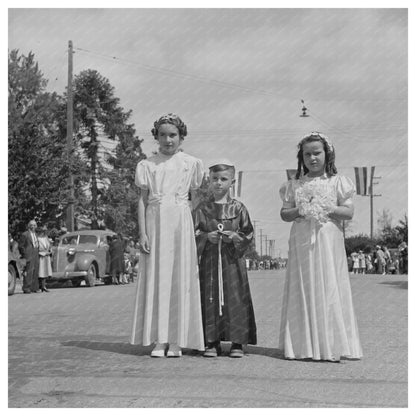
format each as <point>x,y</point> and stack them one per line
<point>318,319</point>
<point>169,305</point>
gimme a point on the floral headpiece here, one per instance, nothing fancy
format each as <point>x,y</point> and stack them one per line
<point>319,135</point>
<point>170,118</point>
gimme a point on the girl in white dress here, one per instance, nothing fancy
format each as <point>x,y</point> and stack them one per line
<point>168,306</point>
<point>318,319</point>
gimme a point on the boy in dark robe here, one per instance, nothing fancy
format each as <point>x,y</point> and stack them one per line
<point>223,226</point>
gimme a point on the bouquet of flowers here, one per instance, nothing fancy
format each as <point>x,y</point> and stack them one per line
<point>315,201</point>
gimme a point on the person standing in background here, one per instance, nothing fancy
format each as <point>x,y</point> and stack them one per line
<point>381,260</point>
<point>361,262</point>
<point>387,258</point>
<point>45,254</point>
<point>117,259</point>
<point>29,248</point>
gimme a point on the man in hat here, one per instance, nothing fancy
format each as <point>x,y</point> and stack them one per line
<point>29,248</point>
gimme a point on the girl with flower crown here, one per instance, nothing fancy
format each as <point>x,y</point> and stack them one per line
<point>168,308</point>
<point>318,320</point>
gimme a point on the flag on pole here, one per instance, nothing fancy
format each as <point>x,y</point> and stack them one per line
<point>361,179</point>
<point>239,184</point>
<point>291,173</point>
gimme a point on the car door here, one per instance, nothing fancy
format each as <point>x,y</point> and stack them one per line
<point>65,254</point>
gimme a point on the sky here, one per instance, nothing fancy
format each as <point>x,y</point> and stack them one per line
<point>237,77</point>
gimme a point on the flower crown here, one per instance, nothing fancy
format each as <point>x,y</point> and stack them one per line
<point>321,136</point>
<point>170,118</point>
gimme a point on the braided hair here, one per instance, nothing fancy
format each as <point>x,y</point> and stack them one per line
<point>170,119</point>
<point>329,150</point>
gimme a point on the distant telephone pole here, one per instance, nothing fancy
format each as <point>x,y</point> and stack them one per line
<point>261,243</point>
<point>372,195</point>
<point>69,141</point>
<point>255,234</point>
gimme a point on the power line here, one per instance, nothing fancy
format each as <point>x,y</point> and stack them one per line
<point>180,74</point>
<point>212,81</point>
<point>62,70</point>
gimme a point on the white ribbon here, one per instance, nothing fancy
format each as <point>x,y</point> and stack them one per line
<point>220,281</point>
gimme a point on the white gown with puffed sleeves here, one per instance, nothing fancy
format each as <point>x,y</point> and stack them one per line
<point>169,305</point>
<point>318,319</point>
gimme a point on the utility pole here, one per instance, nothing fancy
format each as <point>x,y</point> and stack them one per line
<point>261,243</point>
<point>372,195</point>
<point>272,253</point>
<point>255,233</point>
<point>69,141</point>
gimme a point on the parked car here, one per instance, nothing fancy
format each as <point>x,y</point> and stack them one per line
<point>15,269</point>
<point>82,255</point>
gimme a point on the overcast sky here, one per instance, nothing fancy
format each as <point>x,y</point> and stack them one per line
<point>237,77</point>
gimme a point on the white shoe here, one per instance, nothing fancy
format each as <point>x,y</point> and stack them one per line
<point>174,351</point>
<point>158,351</point>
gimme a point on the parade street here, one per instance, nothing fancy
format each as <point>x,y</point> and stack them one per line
<point>70,348</point>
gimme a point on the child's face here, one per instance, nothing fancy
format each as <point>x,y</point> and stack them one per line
<point>169,139</point>
<point>221,182</point>
<point>314,158</point>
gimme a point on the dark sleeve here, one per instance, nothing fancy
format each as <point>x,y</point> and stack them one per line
<point>201,235</point>
<point>245,231</point>
<point>22,245</point>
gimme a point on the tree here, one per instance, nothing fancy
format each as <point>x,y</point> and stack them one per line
<point>360,242</point>
<point>402,229</point>
<point>120,200</point>
<point>384,220</point>
<point>97,115</point>
<point>388,235</point>
<point>38,166</point>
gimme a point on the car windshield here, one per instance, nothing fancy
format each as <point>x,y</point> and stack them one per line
<point>72,239</point>
<point>87,239</point>
<point>79,239</point>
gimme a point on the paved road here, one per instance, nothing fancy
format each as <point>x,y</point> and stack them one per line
<point>69,348</point>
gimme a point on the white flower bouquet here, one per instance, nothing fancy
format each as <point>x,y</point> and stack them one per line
<point>315,201</point>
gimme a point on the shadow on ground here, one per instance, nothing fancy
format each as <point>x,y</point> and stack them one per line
<point>399,285</point>
<point>139,350</point>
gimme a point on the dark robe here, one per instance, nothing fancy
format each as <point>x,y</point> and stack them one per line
<point>116,256</point>
<point>237,323</point>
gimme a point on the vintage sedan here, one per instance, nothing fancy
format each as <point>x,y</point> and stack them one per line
<point>82,255</point>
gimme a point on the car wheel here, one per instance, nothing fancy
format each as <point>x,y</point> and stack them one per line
<point>12,279</point>
<point>76,282</point>
<point>91,276</point>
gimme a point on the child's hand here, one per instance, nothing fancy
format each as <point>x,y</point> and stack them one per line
<point>231,236</point>
<point>144,244</point>
<point>213,237</point>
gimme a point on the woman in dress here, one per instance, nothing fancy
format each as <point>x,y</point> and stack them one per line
<point>45,254</point>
